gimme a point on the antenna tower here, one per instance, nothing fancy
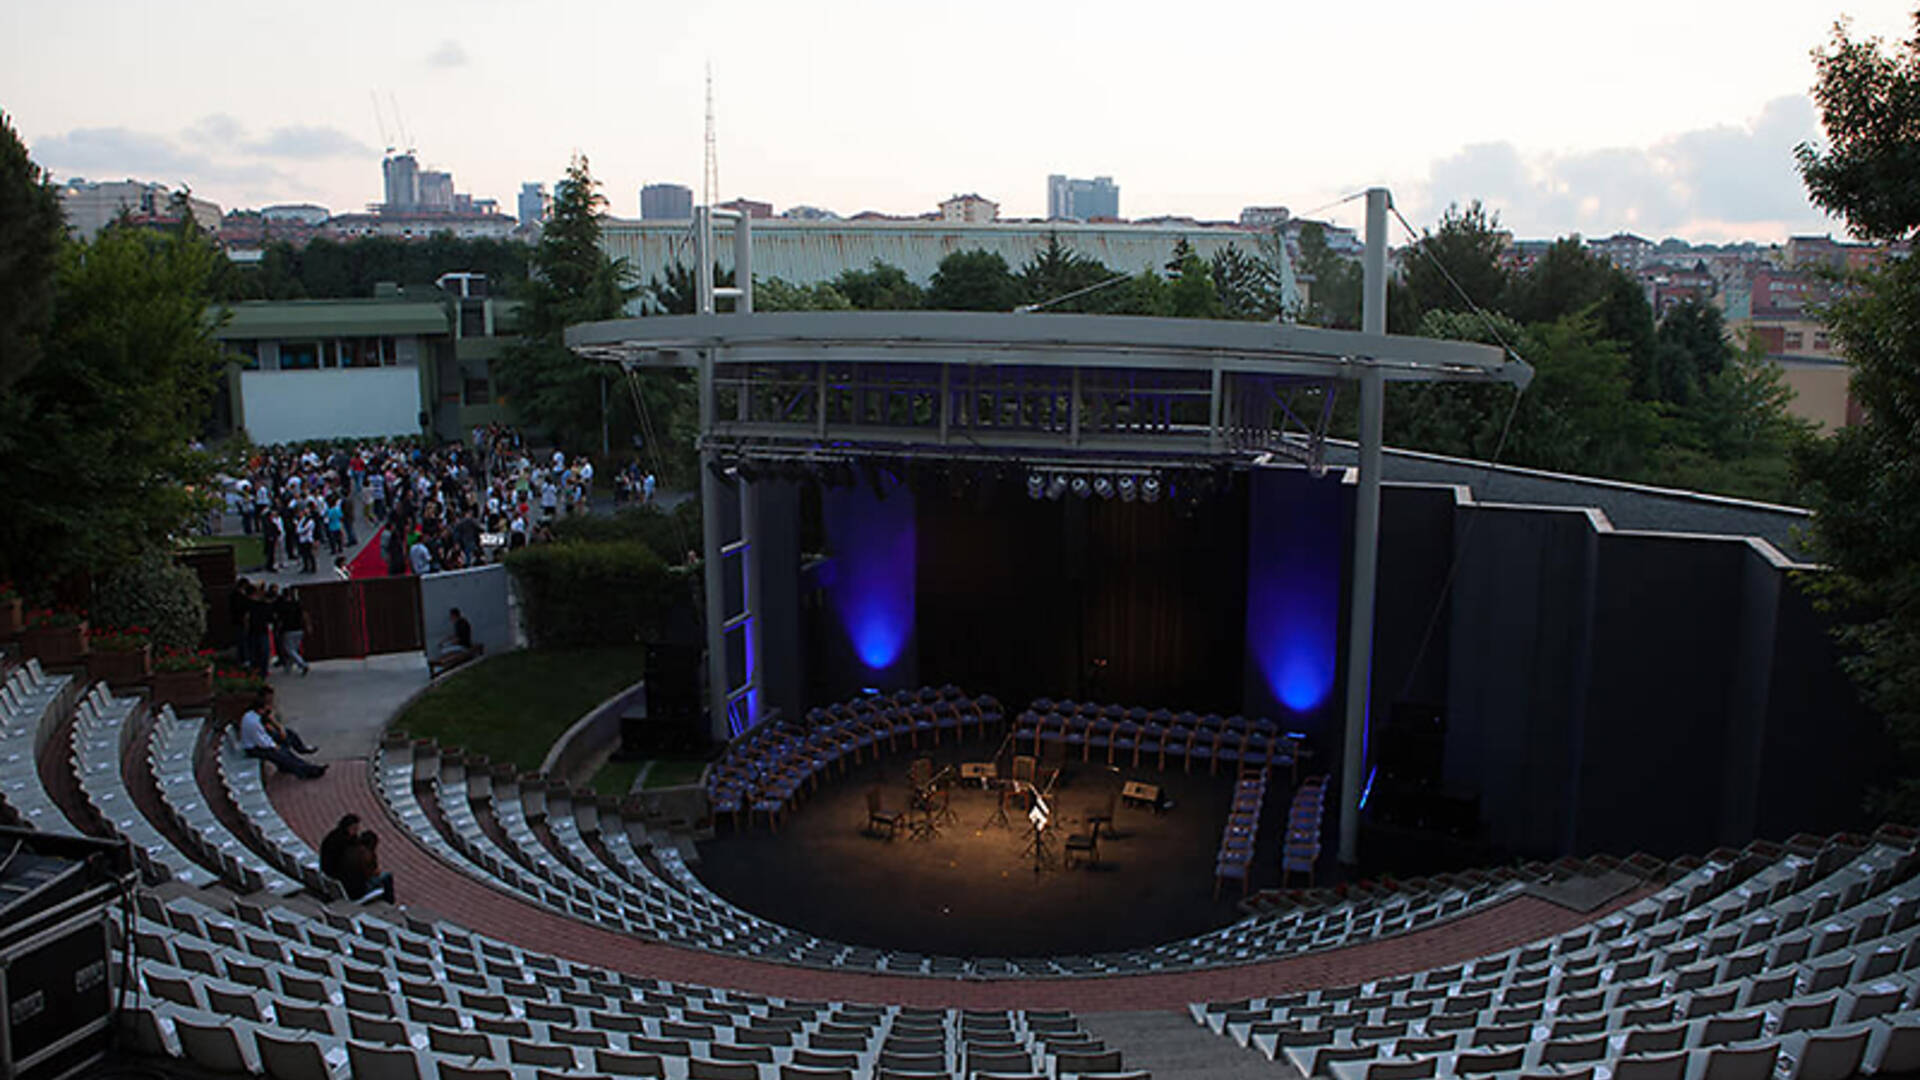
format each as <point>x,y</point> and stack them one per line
<point>710,178</point>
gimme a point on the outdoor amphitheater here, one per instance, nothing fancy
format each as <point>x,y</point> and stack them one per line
<point>1077,708</point>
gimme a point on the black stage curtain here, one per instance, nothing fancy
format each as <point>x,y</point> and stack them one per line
<point>1090,599</point>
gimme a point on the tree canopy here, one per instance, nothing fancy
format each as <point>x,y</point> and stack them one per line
<point>328,269</point>
<point>31,228</point>
<point>1863,482</point>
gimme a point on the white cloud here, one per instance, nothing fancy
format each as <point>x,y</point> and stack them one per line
<point>1722,182</point>
<point>447,54</point>
<point>307,142</point>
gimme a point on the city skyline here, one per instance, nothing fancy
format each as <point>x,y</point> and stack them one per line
<point>1662,122</point>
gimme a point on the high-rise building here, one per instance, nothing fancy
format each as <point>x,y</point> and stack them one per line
<point>402,173</point>
<point>533,203</point>
<point>90,207</point>
<point>971,209</point>
<point>666,202</point>
<point>436,191</point>
<point>1073,199</point>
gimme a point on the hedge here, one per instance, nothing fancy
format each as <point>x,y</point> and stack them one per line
<point>669,534</point>
<point>153,591</point>
<point>581,594</point>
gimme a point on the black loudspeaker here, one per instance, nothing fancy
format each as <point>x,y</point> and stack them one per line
<point>57,898</point>
<point>1410,748</point>
<point>674,720</point>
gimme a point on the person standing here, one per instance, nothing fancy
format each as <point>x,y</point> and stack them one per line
<point>336,526</point>
<point>270,539</point>
<point>306,533</point>
<point>291,617</point>
<point>259,630</point>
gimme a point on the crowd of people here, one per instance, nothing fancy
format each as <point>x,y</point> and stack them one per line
<point>442,508</point>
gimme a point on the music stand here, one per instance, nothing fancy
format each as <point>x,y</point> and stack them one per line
<point>1003,790</point>
<point>1041,816</point>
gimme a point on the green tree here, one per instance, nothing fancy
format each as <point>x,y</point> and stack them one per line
<point>31,227</point>
<point>1056,271</point>
<point>1691,348</point>
<point>1570,280</point>
<point>1869,99</point>
<point>775,294</point>
<point>97,437</point>
<point>1191,295</point>
<point>880,287</point>
<point>974,280</point>
<point>1247,286</point>
<point>574,282</point>
<point>1333,283</point>
<point>1863,482</point>
<point>1735,436</point>
<point>1468,244</point>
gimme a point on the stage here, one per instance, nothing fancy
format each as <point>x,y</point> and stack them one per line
<point>972,890</point>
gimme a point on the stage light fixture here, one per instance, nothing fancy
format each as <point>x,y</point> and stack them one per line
<point>1103,486</point>
<point>1057,486</point>
<point>1150,489</point>
<point>1129,489</point>
<point>1081,488</point>
<point>1036,486</point>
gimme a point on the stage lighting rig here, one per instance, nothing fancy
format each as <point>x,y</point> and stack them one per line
<point>1036,486</point>
<point>1150,489</point>
<point>1103,486</point>
<point>1081,488</point>
<point>1129,489</point>
<point>1057,486</point>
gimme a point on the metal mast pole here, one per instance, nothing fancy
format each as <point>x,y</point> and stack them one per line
<point>1366,530</point>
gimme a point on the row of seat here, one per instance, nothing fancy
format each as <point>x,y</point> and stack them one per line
<point>243,780</point>
<point>32,701</point>
<point>103,732</point>
<point>1134,735</point>
<point>1306,816</point>
<point>276,990</point>
<point>1242,830</point>
<point>1804,958</point>
<point>173,756</point>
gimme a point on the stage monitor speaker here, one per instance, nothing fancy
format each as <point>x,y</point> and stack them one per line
<point>57,900</point>
<point>675,716</point>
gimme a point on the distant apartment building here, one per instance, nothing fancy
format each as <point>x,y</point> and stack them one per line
<point>808,213</point>
<point>307,214</point>
<point>397,364</point>
<point>435,192</point>
<point>1624,250</point>
<point>90,207</point>
<point>532,205</point>
<point>419,226</point>
<point>666,202</point>
<point>1264,217</point>
<point>753,208</point>
<point>970,208</point>
<point>1073,199</point>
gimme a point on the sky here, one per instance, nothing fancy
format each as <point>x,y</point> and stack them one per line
<point>1662,117</point>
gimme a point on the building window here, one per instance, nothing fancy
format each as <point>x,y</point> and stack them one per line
<point>1820,343</point>
<point>299,355</point>
<point>245,353</point>
<point>360,352</point>
<point>1795,339</point>
<point>477,392</point>
<point>473,318</point>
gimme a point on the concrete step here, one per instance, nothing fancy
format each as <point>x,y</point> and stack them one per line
<point>1173,1047</point>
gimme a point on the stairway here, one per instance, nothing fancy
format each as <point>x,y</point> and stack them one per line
<point>1173,1047</point>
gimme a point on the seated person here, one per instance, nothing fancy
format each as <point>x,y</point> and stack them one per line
<point>262,737</point>
<point>360,872</point>
<point>457,646</point>
<point>334,845</point>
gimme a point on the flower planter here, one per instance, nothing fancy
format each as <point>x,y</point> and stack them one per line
<point>120,667</point>
<point>229,707</point>
<point>12,620</point>
<point>183,689</point>
<point>56,646</point>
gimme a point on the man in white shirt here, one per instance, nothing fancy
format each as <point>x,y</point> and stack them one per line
<point>262,738</point>
<point>420,558</point>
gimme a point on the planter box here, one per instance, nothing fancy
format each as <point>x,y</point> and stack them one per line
<point>121,668</point>
<point>56,646</point>
<point>183,689</point>
<point>228,708</point>
<point>12,620</point>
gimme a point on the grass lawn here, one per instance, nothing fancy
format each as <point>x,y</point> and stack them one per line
<point>247,554</point>
<point>511,707</point>
<point>616,777</point>
<point>673,772</point>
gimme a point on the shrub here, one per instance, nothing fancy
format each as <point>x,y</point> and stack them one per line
<point>154,591</point>
<point>55,617</point>
<point>668,534</point>
<point>171,659</point>
<point>117,639</point>
<point>236,681</point>
<point>578,594</point>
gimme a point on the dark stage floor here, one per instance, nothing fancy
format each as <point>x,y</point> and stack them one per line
<point>972,891</point>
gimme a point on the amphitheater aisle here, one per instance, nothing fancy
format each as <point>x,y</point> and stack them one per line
<point>343,705</point>
<point>1169,1044</point>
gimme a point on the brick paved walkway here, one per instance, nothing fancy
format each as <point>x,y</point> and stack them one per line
<point>430,886</point>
